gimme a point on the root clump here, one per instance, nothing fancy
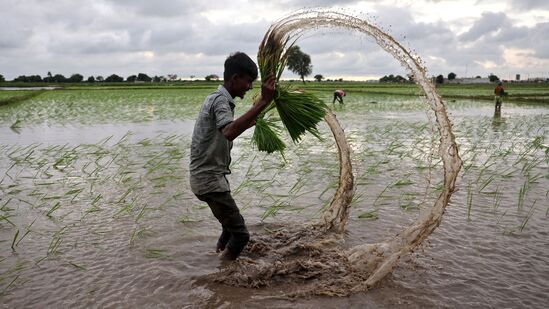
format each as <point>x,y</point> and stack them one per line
<point>299,262</point>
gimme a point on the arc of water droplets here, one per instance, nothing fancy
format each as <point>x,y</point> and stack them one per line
<point>379,259</point>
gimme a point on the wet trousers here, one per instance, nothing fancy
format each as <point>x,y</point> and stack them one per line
<point>235,235</point>
<point>498,101</point>
<point>338,98</point>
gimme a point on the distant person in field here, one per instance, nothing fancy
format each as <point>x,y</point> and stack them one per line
<point>338,95</point>
<point>212,140</point>
<point>499,92</point>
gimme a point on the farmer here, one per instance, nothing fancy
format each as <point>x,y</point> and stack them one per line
<point>499,93</point>
<point>212,140</point>
<point>338,95</point>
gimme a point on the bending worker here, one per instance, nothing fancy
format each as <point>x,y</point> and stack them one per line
<point>338,95</point>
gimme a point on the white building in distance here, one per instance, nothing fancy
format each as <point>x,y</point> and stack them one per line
<point>468,80</point>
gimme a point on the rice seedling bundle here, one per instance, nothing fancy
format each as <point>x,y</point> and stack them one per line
<point>265,136</point>
<point>299,111</point>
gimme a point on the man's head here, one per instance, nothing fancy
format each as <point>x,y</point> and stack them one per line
<point>500,83</point>
<point>240,72</point>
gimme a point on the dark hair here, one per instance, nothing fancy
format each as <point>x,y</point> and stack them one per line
<point>239,63</point>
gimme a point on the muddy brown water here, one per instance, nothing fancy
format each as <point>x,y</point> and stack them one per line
<point>491,249</point>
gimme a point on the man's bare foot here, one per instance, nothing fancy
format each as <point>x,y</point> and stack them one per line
<point>226,255</point>
<point>220,247</point>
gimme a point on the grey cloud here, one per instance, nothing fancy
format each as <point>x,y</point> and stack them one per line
<point>487,24</point>
<point>16,36</point>
<point>90,43</point>
<point>108,36</point>
<point>520,37</point>
<point>316,3</point>
<point>529,4</point>
<point>212,41</point>
<point>539,40</point>
<point>161,8</point>
<point>361,55</point>
<point>17,25</point>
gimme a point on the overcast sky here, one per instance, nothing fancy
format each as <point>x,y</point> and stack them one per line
<point>183,37</point>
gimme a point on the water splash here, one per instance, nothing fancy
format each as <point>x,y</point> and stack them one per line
<point>313,256</point>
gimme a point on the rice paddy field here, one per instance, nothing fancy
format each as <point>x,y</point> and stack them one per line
<point>96,208</point>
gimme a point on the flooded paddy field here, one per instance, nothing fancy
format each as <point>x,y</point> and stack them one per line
<point>96,209</point>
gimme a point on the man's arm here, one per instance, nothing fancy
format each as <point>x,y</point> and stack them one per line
<point>242,123</point>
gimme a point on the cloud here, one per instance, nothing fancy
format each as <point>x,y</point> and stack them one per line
<point>161,8</point>
<point>488,23</point>
<point>194,37</point>
<point>526,5</point>
<point>16,36</point>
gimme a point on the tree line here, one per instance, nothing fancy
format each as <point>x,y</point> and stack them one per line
<point>301,67</point>
<point>451,76</point>
<point>439,79</point>
<point>78,78</point>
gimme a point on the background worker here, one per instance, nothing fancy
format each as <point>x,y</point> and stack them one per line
<point>499,92</point>
<point>338,95</point>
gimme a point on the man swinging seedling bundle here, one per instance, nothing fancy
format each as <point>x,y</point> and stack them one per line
<point>298,111</point>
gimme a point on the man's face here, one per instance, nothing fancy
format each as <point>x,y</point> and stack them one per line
<point>243,83</point>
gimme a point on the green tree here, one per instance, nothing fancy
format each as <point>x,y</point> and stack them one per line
<point>393,79</point>
<point>439,79</point>
<point>21,78</point>
<point>131,78</point>
<point>48,78</point>
<point>28,79</point>
<point>113,78</point>
<point>319,77</point>
<point>59,78</point>
<point>99,78</point>
<point>451,76</point>
<point>211,77</point>
<point>76,78</point>
<point>2,79</point>
<point>35,79</point>
<point>493,78</point>
<point>299,62</point>
<point>143,77</point>
<point>91,79</point>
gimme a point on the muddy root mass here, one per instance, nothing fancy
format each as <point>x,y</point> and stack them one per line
<point>300,262</point>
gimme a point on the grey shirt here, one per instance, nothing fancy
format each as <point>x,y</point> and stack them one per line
<point>210,150</point>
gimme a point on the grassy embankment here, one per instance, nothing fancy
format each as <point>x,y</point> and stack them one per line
<point>517,92</point>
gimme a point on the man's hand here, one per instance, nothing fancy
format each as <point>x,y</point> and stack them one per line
<point>246,121</point>
<point>267,89</point>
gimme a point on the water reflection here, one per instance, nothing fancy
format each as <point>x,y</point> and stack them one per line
<point>30,88</point>
<point>76,134</point>
<point>497,121</point>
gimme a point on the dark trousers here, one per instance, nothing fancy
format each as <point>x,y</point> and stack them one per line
<point>235,234</point>
<point>337,97</point>
<point>498,103</point>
